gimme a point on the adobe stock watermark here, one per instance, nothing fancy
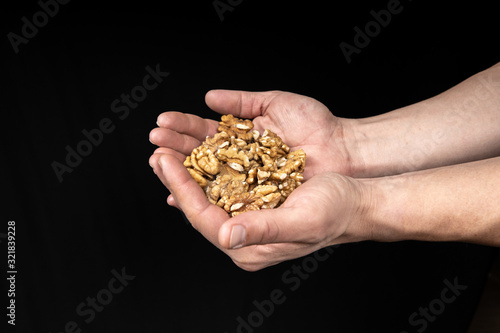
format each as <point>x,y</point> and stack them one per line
<point>29,29</point>
<point>425,315</point>
<point>121,107</point>
<point>223,6</point>
<point>292,278</point>
<point>363,37</point>
<point>88,309</point>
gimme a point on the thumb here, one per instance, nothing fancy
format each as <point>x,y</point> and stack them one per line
<point>267,226</point>
<point>242,104</point>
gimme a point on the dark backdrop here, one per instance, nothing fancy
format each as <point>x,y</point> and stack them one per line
<point>106,215</point>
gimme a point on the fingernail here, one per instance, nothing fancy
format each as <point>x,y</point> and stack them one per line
<point>238,235</point>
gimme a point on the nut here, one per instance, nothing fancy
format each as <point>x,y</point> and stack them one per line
<point>233,156</point>
<point>235,127</point>
<point>241,170</point>
<point>243,202</point>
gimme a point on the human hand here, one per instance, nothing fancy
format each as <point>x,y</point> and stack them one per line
<point>328,209</point>
<point>277,235</point>
<point>302,122</point>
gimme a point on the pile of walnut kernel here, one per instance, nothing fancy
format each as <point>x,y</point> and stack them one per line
<point>241,170</point>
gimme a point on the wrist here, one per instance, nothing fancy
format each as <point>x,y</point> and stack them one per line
<point>356,166</point>
<point>374,146</point>
<point>366,220</point>
<point>384,200</point>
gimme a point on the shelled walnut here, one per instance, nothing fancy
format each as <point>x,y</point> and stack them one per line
<point>241,170</point>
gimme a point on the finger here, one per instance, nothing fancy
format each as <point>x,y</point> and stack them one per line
<point>164,150</point>
<point>171,202</point>
<point>242,104</point>
<point>190,198</point>
<point>188,124</point>
<point>268,226</point>
<point>255,257</point>
<point>171,139</point>
<point>153,159</point>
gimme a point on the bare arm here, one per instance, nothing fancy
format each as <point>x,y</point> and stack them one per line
<point>453,203</point>
<point>460,125</point>
<point>444,201</point>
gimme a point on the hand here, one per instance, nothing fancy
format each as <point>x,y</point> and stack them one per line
<point>328,209</point>
<point>302,122</point>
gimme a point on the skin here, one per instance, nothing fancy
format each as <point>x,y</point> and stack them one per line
<point>428,171</point>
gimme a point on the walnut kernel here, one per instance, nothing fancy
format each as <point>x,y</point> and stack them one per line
<point>241,170</point>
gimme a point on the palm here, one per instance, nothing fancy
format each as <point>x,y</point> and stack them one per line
<point>305,123</point>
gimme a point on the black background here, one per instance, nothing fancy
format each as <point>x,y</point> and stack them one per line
<point>110,212</point>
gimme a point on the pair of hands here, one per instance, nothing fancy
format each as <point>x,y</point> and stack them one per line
<point>326,210</point>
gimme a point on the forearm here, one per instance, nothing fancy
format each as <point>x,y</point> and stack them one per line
<point>454,203</point>
<point>460,125</point>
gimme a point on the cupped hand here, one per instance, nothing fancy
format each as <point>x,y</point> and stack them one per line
<point>321,212</point>
<point>328,209</point>
<point>302,122</point>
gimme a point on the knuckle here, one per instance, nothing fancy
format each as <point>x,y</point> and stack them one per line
<point>315,238</point>
<point>316,234</point>
<point>272,231</point>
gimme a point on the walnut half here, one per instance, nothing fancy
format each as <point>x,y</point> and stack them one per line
<point>241,170</point>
